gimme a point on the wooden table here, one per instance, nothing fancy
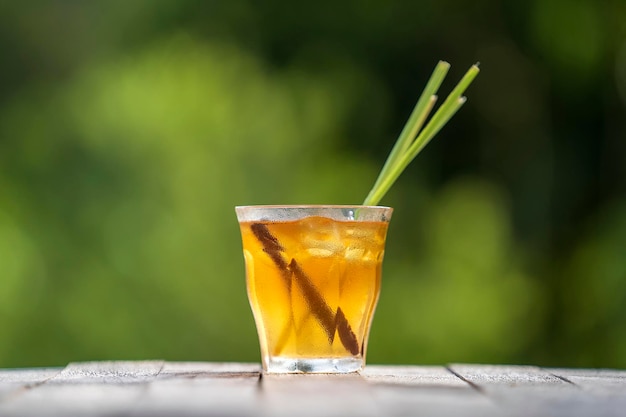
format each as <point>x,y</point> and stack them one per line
<point>157,388</point>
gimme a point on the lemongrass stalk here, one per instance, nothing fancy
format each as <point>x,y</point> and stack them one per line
<point>416,120</point>
<point>385,184</point>
<point>452,103</point>
<point>405,154</point>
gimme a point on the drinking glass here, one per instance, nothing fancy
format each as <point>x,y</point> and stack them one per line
<point>313,279</point>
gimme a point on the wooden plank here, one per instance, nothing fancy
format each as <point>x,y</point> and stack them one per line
<point>601,382</point>
<point>94,389</point>
<point>209,369</point>
<point>15,381</point>
<point>114,373</point>
<point>426,391</point>
<point>231,389</point>
<point>318,395</point>
<point>503,376</point>
<point>202,389</point>
<point>423,376</point>
<point>531,391</point>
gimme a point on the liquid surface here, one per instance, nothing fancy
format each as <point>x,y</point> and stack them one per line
<point>313,284</point>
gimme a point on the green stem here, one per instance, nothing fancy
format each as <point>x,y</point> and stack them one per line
<point>416,119</point>
<point>402,155</point>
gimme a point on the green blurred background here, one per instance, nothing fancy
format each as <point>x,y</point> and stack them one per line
<point>130,129</point>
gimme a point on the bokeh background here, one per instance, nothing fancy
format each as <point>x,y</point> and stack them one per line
<point>130,129</point>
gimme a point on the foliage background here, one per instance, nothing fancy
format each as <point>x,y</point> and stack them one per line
<point>129,130</point>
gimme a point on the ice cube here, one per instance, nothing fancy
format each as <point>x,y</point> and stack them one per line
<point>320,252</point>
<point>360,232</point>
<point>354,254</point>
<point>325,236</point>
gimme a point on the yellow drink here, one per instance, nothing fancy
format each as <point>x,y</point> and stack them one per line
<point>313,284</point>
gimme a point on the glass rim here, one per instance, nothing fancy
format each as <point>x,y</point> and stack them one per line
<point>287,212</point>
<point>314,206</point>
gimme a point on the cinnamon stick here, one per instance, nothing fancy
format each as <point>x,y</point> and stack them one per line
<point>329,321</point>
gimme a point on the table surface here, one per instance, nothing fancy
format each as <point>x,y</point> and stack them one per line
<point>155,388</point>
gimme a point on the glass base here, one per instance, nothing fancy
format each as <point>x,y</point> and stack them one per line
<point>286,365</point>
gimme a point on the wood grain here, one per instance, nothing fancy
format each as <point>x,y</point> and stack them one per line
<point>157,388</point>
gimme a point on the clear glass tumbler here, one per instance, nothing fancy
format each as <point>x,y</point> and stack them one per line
<point>313,278</point>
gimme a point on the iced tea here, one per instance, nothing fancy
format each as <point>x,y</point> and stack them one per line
<point>313,283</point>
